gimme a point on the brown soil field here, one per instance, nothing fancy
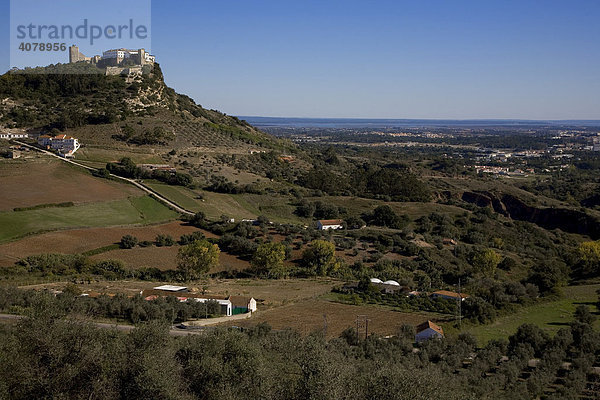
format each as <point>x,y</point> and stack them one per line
<point>165,258</point>
<point>308,316</point>
<point>139,257</point>
<point>81,240</point>
<point>287,303</point>
<point>26,183</point>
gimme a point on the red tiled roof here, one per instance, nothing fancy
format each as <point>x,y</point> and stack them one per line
<point>430,325</point>
<point>451,294</point>
<point>331,221</point>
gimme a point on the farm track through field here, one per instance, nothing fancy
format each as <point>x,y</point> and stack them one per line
<point>145,188</point>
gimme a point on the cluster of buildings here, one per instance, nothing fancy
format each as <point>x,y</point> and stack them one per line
<point>65,145</point>
<point>15,152</point>
<point>113,57</point>
<point>229,305</point>
<point>116,61</point>
<point>427,330</point>
<point>486,169</point>
<point>393,287</point>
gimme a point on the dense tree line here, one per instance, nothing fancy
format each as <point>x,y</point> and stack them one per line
<point>47,356</point>
<point>133,309</point>
<point>390,182</point>
<point>128,169</point>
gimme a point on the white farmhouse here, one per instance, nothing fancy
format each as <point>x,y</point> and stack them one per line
<point>226,306</point>
<point>325,224</point>
<point>65,145</point>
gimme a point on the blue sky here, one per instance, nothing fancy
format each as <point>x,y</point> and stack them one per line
<point>380,59</point>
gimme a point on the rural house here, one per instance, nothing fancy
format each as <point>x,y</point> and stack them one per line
<point>171,288</point>
<point>428,330</point>
<point>325,224</point>
<point>229,305</point>
<point>445,294</point>
<point>242,305</point>
<point>65,145</point>
<point>389,286</point>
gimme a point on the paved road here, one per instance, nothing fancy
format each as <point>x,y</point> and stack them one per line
<point>146,189</point>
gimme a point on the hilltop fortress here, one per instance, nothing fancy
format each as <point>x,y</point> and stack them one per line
<point>116,61</point>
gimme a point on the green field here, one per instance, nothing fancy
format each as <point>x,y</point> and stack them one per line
<point>179,195</point>
<point>276,208</point>
<point>238,206</point>
<point>137,210</point>
<point>550,316</point>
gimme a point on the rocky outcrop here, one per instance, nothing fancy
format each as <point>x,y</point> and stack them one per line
<point>565,219</point>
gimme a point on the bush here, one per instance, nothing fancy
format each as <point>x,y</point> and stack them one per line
<point>128,242</point>
<point>164,240</point>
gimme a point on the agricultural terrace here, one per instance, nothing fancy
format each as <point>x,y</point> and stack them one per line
<point>312,315</point>
<point>75,241</point>
<point>32,182</point>
<point>549,315</point>
<point>134,210</point>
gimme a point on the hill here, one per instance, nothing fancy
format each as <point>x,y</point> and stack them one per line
<point>134,110</point>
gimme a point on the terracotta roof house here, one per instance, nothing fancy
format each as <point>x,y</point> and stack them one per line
<point>428,330</point>
<point>325,224</point>
<point>449,242</point>
<point>445,294</point>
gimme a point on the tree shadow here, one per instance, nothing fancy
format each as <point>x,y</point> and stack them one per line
<point>585,303</point>
<point>559,323</point>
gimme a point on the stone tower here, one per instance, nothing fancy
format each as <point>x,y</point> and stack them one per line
<point>75,55</point>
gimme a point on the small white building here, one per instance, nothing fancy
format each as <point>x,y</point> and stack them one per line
<point>243,304</point>
<point>428,330</point>
<point>171,288</point>
<point>326,224</point>
<point>8,136</point>
<point>226,306</point>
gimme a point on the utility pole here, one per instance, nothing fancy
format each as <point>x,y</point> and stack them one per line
<point>459,306</point>
<point>362,322</point>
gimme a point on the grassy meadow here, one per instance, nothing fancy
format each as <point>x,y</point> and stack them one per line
<point>134,210</point>
<point>549,315</point>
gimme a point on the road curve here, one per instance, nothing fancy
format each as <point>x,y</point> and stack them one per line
<point>145,188</point>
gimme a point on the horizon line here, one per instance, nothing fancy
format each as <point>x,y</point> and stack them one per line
<point>431,119</point>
